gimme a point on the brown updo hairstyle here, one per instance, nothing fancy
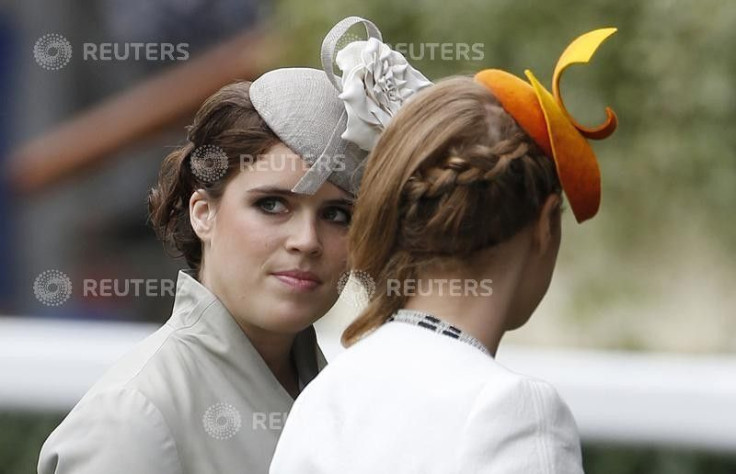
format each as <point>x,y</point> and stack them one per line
<point>452,174</point>
<point>227,120</point>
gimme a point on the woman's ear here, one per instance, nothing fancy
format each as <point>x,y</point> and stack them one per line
<point>547,227</point>
<point>201,214</point>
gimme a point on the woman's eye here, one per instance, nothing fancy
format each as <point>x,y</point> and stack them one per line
<point>272,205</point>
<point>337,215</point>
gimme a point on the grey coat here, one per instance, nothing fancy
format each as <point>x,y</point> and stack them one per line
<point>194,397</point>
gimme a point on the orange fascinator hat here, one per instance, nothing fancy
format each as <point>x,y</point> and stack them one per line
<point>544,117</point>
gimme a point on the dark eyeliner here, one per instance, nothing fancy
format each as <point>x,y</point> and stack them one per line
<point>348,215</point>
<point>259,203</point>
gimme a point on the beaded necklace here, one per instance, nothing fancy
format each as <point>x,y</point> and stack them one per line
<point>435,324</point>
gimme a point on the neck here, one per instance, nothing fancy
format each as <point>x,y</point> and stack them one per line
<point>274,348</point>
<point>477,301</point>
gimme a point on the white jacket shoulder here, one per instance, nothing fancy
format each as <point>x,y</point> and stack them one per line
<point>522,426</point>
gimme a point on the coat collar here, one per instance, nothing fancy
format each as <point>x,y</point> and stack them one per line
<point>200,313</point>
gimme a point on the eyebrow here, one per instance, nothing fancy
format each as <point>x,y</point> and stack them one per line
<point>288,193</point>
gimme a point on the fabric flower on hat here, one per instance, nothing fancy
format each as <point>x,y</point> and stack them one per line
<point>376,81</point>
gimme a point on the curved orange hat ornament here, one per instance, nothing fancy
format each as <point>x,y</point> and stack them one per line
<point>544,117</point>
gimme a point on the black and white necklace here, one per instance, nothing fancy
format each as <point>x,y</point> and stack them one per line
<point>435,324</point>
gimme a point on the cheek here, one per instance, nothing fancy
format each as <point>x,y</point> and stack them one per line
<point>244,236</point>
<point>335,253</point>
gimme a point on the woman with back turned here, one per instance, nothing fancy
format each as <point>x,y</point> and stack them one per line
<point>458,223</point>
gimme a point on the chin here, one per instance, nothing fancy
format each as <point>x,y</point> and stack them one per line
<point>518,320</point>
<point>516,324</point>
<point>291,319</point>
<point>286,326</point>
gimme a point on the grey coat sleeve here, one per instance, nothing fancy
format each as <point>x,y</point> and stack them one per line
<point>117,431</point>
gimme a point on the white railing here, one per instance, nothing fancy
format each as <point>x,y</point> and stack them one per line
<point>636,398</point>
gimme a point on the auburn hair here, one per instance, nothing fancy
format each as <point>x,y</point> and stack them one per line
<point>452,174</point>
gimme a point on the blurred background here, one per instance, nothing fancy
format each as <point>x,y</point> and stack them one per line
<point>643,294</point>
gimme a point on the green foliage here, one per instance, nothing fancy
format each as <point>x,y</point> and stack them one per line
<point>22,434</point>
<point>21,437</point>
<point>635,460</point>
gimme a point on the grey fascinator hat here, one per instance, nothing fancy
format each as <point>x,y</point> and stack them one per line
<point>332,121</point>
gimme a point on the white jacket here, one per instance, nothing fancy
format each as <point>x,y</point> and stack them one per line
<point>408,400</point>
<point>194,397</point>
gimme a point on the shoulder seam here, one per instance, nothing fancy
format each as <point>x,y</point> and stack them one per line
<point>160,414</point>
<point>164,341</point>
<point>541,422</point>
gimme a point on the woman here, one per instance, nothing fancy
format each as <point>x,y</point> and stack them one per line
<point>458,222</point>
<point>258,202</point>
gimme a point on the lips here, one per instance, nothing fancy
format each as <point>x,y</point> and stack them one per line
<point>298,279</point>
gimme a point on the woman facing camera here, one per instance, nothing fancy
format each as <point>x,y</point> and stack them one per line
<point>258,202</point>
<point>458,224</point>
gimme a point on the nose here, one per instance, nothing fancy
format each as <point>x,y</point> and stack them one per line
<point>304,235</point>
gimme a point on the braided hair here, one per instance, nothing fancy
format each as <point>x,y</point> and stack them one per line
<point>451,175</point>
